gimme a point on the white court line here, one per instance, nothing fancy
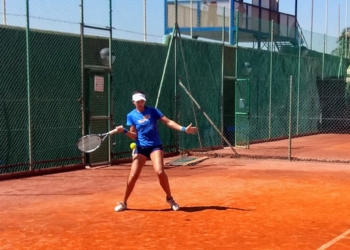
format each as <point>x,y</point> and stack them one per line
<point>325,246</point>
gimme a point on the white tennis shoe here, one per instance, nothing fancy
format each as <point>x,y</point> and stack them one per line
<point>121,207</point>
<point>173,205</point>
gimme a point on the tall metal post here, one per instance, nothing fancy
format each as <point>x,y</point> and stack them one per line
<point>30,132</point>
<point>270,91</point>
<point>4,11</point>
<point>347,29</point>
<point>191,18</point>
<point>222,70</point>
<point>231,24</point>
<point>109,82</point>
<point>177,102</point>
<point>312,20</point>
<point>144,21</point>
<point>82,73</point>
<point>298,90</point>
<point>290,117</point>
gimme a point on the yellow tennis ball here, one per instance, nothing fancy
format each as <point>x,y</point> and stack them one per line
<point>133,145</point>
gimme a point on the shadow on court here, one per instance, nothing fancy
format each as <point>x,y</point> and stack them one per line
<point>202,208</point>
<point>193,209</point>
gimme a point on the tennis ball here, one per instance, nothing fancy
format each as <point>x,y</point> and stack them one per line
<point>133,145</point>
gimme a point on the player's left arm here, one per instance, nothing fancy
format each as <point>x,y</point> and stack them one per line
<point>171,124</point>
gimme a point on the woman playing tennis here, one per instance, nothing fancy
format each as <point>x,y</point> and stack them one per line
<point>144,130</point>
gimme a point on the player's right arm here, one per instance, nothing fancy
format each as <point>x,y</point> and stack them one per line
<point>132,134</point>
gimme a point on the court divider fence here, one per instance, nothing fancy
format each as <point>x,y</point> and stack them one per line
<point>245,91</point>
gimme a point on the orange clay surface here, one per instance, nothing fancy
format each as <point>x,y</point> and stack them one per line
<point>225,204</point>
<point>322,147</point>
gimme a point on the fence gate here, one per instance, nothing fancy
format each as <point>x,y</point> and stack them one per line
<point>242,102</point>
<point>97,115</point>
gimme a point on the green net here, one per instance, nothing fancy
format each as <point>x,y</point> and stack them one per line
<point>277,82</point>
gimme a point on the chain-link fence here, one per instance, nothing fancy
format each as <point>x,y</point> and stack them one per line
<point>40,112</point>
<point>63,76</point>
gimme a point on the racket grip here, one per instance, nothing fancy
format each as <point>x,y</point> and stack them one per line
<point>114,130</point>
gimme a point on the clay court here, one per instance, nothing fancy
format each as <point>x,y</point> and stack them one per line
<point>317,147</point>
<point>225,204</point>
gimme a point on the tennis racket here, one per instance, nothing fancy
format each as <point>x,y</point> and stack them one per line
<point>89,143</point>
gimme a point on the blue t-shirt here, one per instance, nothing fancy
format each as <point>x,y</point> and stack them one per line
<point>146,126</point>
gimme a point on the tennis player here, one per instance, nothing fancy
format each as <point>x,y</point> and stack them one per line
<point>144,130</point>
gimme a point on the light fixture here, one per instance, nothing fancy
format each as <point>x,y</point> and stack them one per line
<point>104,55</point>
<point>246,69</point>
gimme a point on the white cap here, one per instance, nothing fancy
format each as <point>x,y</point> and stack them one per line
<point>138,96</point>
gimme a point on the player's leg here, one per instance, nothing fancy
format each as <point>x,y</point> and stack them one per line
<point>136,167</point>
<point>158,165</point>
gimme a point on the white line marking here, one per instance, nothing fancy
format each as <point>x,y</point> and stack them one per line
<point>343,235</point>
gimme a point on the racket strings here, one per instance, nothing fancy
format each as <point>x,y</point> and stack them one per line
<point>89,143</point>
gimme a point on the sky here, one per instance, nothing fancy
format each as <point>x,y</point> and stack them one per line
<point>128,16</point>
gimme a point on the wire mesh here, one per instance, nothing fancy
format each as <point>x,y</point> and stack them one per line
<point>41,105</point>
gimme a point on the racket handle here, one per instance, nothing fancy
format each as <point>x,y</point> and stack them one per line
<point>114,130</point>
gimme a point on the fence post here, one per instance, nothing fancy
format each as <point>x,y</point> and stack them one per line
<point>30,139</point>
<point>323,55</point>
<point>298,91</point>
<point>290,117</point>
<point>270,91</point>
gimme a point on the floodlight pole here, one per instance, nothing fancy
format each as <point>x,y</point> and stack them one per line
<point>4,11</point>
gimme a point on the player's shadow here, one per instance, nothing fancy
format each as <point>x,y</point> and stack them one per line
<point>202,208</point>
<point>196,209</point>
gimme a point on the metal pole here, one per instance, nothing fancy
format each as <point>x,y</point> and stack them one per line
<point>109,82</point>
<point>270,92</point>
<point>237,29</point>
<point>30,139</point>
<point>206,116</point>
<point>231,22</point>
<point>191,18</point>
<point>222,70</point>
<point>177,101</point>
<point>144,22</point>
<point>338,20</point>
<point>323,55</point>
<point>326,25</point>
<point>312,20</point>
<point>176,12</point>
<point>82,72</point>
<point>4,11</point>
<point>165,66</point>
<point>223,26</point>
<point>346,31</point>
<point>290,117</point>
<point>298,93</point>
